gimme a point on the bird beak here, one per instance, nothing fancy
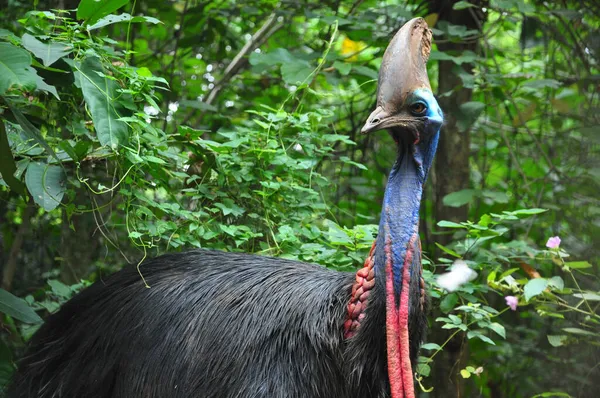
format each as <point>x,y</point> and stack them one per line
<point>403,70</point>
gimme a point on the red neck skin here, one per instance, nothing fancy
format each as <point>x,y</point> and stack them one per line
<point>398,349</point>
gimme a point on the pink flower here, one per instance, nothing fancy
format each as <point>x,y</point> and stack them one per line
<point>553,242</point>
<point>512,302</point>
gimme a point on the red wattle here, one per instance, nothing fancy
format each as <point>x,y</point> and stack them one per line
<point>392,329</point>
<point>407,374</point>
<point>398,347</point>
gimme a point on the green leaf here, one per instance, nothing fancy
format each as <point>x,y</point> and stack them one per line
<point>423,369</point>
<point>556,282</point>
<point>278,56</point>
<point>43,86</point>
<point>578,264</point>
<point>296,72</point>
<point>496,327</point>
<point>449,224</point>
<point>461,5</point>
<point>542,83</point>
<point>112,19</point>
<point>557,340</point>
<point>431,346</point>
<point>46,184</point>
<point>495,196</point>
<point>48,53</point>
<point>15,68</point>
<point>93,10</point>
<point>460,198</point>
<point>32,132</point>
<point>449,251</point>
<point>535,287</point>
<point>342,67</point>
<point>528,212</point>
<point>17,308</point>
<point>365,71</point>
<point>60,289</point>
<point>472,109</point>
<point>447,304</point>
<point>588,296</point>
<point>7,163</point>
<point>100,94</point>
<point>580,332</point>
<point>485,339</point>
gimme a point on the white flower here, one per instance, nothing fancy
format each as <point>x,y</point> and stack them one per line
<point>459,274</point>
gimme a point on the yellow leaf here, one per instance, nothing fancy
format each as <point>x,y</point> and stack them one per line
<point>431,19</point>
<point>351,47</point>
<point>465,374</point>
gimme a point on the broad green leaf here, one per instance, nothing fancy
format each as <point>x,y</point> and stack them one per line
<point>495,196</point>
<point>581,332</point>
<point>486,339</point>
<point>447,304</point>
<point>528,212</point>
<point>431,346</point>
<point>15,68</point>
<point>46,183</point>
<point>449,251</point>
<point>365,71</point>
<point>60,289</point>
<point>17,308</point>
<point>32,132</point>
<point>100,94</point>
<point>296,72</point>
<point>542,83</point>
<point>590,296</point>
<point>7,163</point>
<point>472,108</point>
<point>112,19</point>
<point>43,86</point>
<point>535,287</point>
<point>49,53</point>
<point>578,264</point>
<point>461,5</point>
<point>423,369</point>
<point>496,327</point>
<point>477,333</point>
<point>449,224</point>
<point>556,282</point>
<point>552,394</point>
<point>556,340</point>
<point>93,10</point>
<point>343,67</point>
<point>460,198</point>
<point>277,56</point>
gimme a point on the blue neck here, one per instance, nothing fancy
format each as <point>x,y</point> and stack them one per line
<point>401,204</point>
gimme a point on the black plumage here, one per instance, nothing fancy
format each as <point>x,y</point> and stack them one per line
<point>212,324</point>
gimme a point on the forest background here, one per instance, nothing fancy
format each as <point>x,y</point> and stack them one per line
<point>128,129</point>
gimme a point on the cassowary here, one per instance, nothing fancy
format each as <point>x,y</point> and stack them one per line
<point>217,324</point>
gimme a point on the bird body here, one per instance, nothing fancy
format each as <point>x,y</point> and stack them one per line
<point>212,324</point>
<point>217,324</point>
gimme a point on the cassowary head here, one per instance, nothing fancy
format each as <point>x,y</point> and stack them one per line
<point>405,104</point>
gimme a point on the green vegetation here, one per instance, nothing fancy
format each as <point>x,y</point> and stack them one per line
<point>128,129</point>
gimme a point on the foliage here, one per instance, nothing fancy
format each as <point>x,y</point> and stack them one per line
<point>235,126</point>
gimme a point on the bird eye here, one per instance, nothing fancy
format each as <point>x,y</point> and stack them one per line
<point>418,108</point>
